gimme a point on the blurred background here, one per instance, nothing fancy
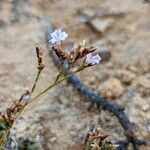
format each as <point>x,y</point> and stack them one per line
<point>61,119</point>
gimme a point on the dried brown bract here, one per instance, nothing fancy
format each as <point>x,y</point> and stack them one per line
<point>79,51</point>
<point>40,59</point>
<point>62,55</point>
<point>97,141</point>
<point>9,116</point>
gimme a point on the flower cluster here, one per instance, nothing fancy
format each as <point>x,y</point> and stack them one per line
<point>77,52</point>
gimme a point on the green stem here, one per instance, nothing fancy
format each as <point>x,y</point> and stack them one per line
<point>36,80</point>
<point>48,88</point>
<point>57,78</point>
<point>61,72</point>
<point>51,86</point>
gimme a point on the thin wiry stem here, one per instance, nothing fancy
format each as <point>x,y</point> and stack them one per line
<point>32,90</point>
<point>51,86</point>
<point>56,82</point>
<point>36,80</point>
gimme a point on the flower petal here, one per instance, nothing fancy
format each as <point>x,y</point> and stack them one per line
<point>92,59</point>
<point>58,35</point>
<point>53,41</point>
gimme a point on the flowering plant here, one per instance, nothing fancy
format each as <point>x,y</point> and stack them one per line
<point>79,51</point>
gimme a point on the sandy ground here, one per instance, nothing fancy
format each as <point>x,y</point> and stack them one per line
<point>62,117</point>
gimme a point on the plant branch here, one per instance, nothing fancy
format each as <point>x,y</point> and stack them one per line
<point>36,80</point>
<point>105,104</point>
<point>51,86</point>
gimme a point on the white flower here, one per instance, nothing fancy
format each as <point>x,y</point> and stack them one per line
<point>58,35</point>
<point>92,59</point>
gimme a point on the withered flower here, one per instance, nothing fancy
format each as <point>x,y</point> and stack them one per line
<point>79,51</point>
<point>40,59</point>
<point>60,53</point>
<point>97,141</point>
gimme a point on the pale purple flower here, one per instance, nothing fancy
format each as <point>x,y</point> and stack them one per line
<point>58,35</point>
<point>25,97</point>
<point>92,59</point>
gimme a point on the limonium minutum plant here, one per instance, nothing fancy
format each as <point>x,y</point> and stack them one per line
<point>78,52</point>
<point>96,140</point>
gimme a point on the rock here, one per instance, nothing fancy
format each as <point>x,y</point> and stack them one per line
<point>141,103</point>
<point>125,76</point>
<point>53,139</point>
<point>103,50</point>
<point>128,95</point>
<point>90,12</point>
<point>147,1</point>
<point>101,25</point>
<point>15,19</point>
<point>111,88</point>
<point>90,80</point>
<point>76,147</point>
<point>3,24</point>
<point>142,85</point>
<point>137,61</point>
<point>87,12</point>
